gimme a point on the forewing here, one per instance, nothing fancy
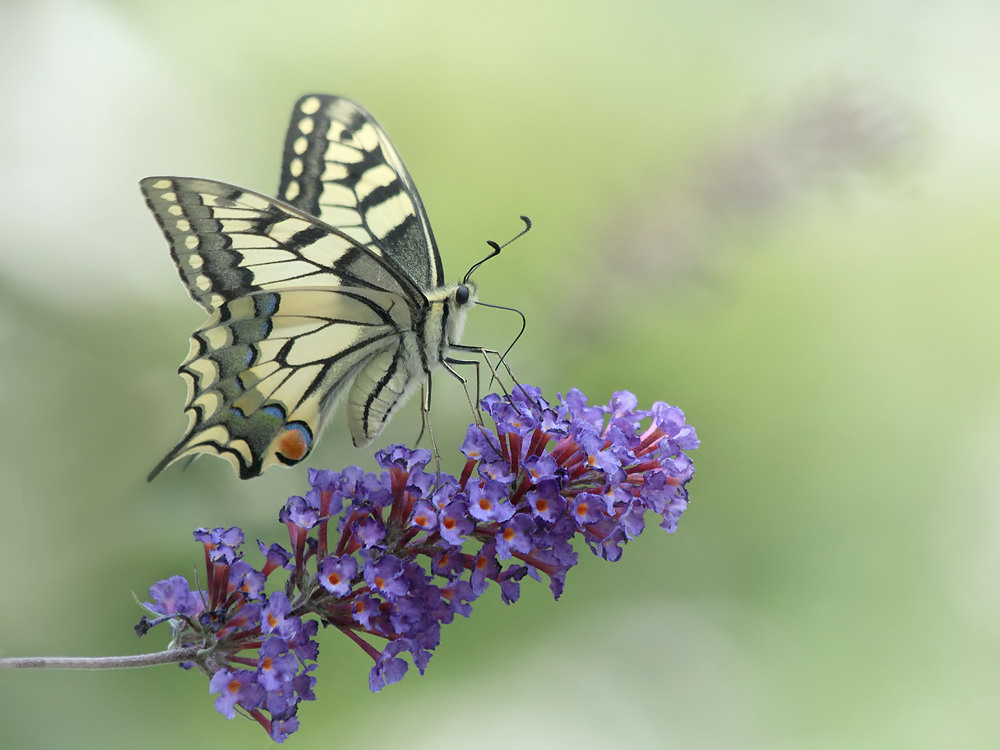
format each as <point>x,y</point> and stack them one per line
<point>228,242</point>
<point>267,369</point>
<point>339,165</point>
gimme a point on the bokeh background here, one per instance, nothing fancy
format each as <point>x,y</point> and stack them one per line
<point>780,216</point>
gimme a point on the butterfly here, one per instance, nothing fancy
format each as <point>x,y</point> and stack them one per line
<point>333,289</point>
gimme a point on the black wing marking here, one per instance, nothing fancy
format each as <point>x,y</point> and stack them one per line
<point>228,242</point>
<point>339,165</point>
<point>267,369</point>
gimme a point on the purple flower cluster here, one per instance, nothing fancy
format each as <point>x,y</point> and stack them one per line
<point>394,556</point>
<point>232,617</point>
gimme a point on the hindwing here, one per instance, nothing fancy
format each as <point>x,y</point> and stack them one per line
<point>268,368</point>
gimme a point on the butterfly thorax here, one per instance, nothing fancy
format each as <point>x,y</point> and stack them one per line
<point>445,319</point>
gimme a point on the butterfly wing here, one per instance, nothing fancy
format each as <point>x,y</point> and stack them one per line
<point>268,368</point>
<point>298,310</point>
<point>228,242</point>
<point>339,165</point>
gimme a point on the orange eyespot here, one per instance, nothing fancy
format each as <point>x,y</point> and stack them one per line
<point>294,443</point>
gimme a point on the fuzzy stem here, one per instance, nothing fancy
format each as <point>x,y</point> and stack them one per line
<point>170,656</point>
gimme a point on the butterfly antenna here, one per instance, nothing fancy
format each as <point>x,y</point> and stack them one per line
<point>497,248</point>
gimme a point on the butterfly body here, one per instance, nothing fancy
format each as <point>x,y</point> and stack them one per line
<point>333,291</point>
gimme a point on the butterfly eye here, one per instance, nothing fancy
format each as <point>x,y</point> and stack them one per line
<point>462,294</point>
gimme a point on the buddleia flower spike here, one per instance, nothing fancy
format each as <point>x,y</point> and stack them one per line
<point>387,559</point>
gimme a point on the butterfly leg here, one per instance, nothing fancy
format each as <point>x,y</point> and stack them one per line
<point>473,404</point>
<point>447,364</point>
<point>485,354</point>
<point>425,423</point>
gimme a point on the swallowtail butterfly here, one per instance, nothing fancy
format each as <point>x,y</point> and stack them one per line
<point>334,288</point>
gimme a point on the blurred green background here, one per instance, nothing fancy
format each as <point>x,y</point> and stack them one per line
<point>780,216</point>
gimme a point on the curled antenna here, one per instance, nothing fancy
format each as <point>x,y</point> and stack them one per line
<point>496,251</point>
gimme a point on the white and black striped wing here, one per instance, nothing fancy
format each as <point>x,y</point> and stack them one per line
<point>268,368</point>
<point>228,242</point>
<point>300,312</point>
<point>339,165</point>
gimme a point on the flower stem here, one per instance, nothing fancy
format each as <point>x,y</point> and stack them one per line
<point>169,656</point>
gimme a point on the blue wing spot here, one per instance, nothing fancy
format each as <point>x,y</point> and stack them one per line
<point>273,410</point>
<point>267,304</point>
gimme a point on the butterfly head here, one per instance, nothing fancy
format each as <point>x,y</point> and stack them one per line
<point>448,310</point>
<point>465,294</point>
